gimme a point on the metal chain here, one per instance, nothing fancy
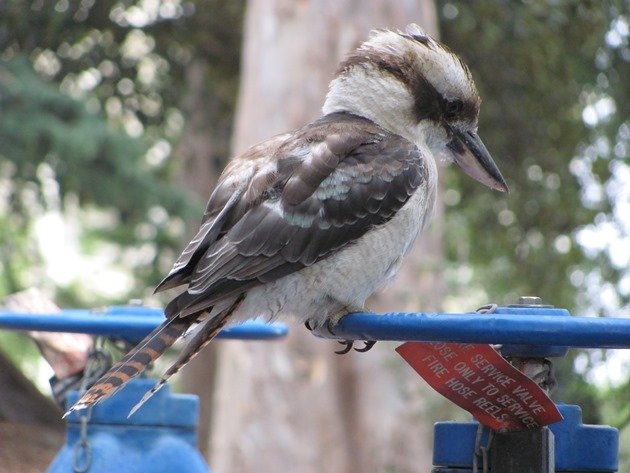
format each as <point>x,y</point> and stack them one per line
<point>482,452</point>
<point>487,309</point>
<point>99,361</point>
<point>82,449</point>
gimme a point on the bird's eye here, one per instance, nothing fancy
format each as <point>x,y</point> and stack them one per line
<point>452,109</point>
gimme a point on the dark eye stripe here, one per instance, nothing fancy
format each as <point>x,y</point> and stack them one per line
<point>428,102</point>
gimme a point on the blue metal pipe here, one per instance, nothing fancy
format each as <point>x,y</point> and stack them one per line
<point>524,328</point>
<point>519,326</point>
<point>129,322</point>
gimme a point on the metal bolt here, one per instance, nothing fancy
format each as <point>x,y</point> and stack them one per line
<point>538,369</point>
<point>529,300</point>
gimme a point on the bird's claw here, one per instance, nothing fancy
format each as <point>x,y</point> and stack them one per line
<point>368,346</point>
<point>349,345</point>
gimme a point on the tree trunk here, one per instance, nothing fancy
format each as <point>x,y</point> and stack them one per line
<point>204,143</point>
<point>294,405</point>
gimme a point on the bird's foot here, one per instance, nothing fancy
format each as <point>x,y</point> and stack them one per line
<point>334,320</point>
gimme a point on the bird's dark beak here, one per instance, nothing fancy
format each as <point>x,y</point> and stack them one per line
<point>472,157</point>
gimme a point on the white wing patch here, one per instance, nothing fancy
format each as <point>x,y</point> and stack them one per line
<point>274,206</point>
<point>307,153</point>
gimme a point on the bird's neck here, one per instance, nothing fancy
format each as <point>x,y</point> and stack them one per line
<point>376,96</point>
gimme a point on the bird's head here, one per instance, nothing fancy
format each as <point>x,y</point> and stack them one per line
<point>413,86</point>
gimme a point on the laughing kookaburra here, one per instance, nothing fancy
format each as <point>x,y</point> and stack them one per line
<point>311,222</point>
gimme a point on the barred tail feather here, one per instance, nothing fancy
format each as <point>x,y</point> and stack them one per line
<point>134,362</point>
<point>207,330</point>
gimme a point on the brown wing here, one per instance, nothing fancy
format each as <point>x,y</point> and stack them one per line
<point>241,181</point>
<point>325,188</point>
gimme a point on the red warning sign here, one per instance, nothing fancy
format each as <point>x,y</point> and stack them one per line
<point>480,380</point>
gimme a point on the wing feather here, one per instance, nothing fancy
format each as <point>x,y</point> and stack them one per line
<point>208,232</point>
<point>322,190</point>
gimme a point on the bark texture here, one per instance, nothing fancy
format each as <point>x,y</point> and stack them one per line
<point>203,143</point>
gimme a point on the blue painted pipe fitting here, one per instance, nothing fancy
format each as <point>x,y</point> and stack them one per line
<point>533,351</point>
<point>161,437</point>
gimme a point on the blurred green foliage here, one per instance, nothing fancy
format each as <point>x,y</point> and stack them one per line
<point>92,99</point>
<point>536,64</point>
<point>100,166</point>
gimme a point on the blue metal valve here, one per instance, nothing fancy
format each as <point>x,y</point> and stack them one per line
<point>572,447</point>
<point>578,447</point>
<point>160,438</point>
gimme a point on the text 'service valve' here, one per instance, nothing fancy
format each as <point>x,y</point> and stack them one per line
<point>481,381</point>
